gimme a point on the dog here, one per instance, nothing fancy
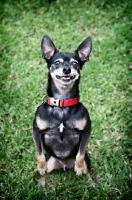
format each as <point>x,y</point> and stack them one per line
<point>62,125</point>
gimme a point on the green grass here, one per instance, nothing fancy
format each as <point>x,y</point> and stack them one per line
<point>105,89</point>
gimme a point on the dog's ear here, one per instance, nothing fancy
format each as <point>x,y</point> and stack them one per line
<point>48,47</point>
<point>84,49</point>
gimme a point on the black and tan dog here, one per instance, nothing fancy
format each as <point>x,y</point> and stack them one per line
<point>62,124</point>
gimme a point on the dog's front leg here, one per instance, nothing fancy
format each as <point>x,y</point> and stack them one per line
<point>80,162</point>
<point>41,160</point>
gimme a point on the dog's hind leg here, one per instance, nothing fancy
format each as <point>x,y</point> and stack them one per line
<point>52,163</point>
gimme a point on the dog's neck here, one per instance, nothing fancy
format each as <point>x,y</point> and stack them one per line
<point>62,91</point>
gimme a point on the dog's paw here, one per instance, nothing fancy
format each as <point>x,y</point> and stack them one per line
<point>42,171</point>
<point>42,164</point>
<point>80,168</point>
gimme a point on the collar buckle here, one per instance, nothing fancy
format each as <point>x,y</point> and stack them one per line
<point>54,102</point>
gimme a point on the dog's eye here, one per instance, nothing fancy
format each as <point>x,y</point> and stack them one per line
<point>57,63</point>
<point>75,64</point>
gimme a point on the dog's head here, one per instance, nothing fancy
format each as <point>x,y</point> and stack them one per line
<point>65,67</point>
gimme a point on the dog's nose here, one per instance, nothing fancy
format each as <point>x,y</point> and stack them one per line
<point>66,70</point>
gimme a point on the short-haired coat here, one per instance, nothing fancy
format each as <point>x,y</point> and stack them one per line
<point>62,124</point>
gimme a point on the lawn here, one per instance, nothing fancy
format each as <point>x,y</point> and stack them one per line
<point>105,90</point>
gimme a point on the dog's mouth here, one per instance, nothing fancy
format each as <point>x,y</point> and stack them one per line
<point>65,78</point>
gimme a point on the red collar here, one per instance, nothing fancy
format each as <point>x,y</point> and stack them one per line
<point>62,103</point>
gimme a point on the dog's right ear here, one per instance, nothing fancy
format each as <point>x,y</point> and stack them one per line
<point>84,49</point>
<point>48,47</point>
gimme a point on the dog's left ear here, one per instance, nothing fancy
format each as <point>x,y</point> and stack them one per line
<point>48,47</point>
<point>84,49</point>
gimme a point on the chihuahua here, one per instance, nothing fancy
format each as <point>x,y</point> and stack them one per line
<point>62,124</point>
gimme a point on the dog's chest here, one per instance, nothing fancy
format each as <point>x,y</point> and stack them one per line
<point>61,128</point>
<point>61,134</point>
<point>61,141</point>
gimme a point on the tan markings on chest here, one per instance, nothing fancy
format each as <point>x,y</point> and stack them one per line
<point>42,125</point>
<point>80,124</point>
